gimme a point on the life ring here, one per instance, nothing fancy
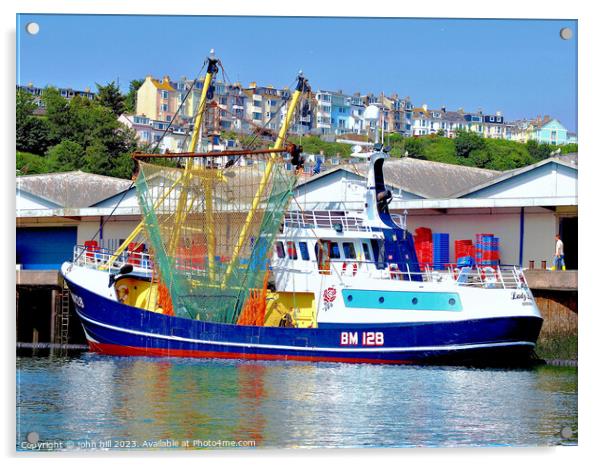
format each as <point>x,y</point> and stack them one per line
<point>353,268</point>
<point>123,293</point>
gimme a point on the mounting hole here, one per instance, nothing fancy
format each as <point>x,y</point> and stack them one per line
<point>566,33</point>
<point>452,301</point>
<point>349,298</point>
<point>32,28</point>
<point>381,300</point>
<point>414,300</point>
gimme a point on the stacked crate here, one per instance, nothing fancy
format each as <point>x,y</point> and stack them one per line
<point>479,244</point>
<point>440,250</point>
<point>463,248</point>
<point>423,242</point>
<point>490,251</point>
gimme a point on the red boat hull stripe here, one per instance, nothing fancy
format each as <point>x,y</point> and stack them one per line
<point>119,350</point>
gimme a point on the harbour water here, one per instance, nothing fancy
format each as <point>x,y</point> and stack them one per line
<point>87,401</point>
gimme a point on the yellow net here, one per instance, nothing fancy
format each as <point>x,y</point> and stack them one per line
<point>211,230</point>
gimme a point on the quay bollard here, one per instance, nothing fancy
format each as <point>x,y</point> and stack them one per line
<point>531,265</point>
<point>543,265</point>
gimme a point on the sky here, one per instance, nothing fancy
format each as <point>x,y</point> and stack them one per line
<point>522,68</point>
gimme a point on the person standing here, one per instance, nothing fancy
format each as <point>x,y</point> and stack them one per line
<point>559,254</point>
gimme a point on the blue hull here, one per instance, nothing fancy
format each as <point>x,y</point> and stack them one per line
<point>115,328</point>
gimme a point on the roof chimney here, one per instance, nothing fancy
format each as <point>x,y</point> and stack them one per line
<point>425,107</point>
<point>166,79</point>
<point>252,85</point>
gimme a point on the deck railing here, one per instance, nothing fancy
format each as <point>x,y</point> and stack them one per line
<point>98,258</point>
<point>500,277</point>
<point>324,219</point>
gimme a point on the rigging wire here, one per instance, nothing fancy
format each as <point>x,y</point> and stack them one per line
<point>102,224</point>
<point>179,109</point>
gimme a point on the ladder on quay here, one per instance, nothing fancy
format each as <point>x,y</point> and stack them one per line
<point>62,317</point>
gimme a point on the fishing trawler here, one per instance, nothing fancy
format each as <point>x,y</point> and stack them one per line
<point>234,273</point>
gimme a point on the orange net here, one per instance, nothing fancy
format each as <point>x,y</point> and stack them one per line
<point>253,311</point>
<point>164,300</point>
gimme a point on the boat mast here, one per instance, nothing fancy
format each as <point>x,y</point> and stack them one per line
<point>302,87</point>
<point>181,210</point>
<point>211,71</point>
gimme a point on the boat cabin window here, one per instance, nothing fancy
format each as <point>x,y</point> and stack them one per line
<point>304,251</point>
<point>291,250</point>
<point>280,249</point>
<point>349,250</point>
<point>322,256</point>
<point>335,252</point>
<point>366,248</point>
<point>378,247</point>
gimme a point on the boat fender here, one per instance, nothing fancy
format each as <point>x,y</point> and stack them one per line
<point>456,273</point>
<point>353,268</point>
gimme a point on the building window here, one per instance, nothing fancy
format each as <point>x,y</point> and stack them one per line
<point>165,94</point>
<point>163,107</point>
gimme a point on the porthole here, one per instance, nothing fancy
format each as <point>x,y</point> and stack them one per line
<point>381,300</point>
<point>349,298</point>
<point>452,301</point>
<point>414,300</point>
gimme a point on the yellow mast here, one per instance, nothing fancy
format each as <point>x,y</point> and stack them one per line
<point>185,178</point>
<point>180,213</point>
<point>242,238</point>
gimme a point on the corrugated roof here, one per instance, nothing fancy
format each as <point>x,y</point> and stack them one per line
<point>427,179</point>
<point>72,189</point>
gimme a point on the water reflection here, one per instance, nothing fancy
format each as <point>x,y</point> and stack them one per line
<point>280,404</point>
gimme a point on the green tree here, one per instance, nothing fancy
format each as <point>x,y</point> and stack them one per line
<point>569,148</point>
<point>110,96</point>
<point>538,150</point>
<point>415,147</point>
<point>467,142</point>
<point>440,149</point>
<point>32,133</point>
<point>31,164</point>
<point>104,143</point>
<point>131,97</point>
<point>66,156</point>
<point>507,155</point>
